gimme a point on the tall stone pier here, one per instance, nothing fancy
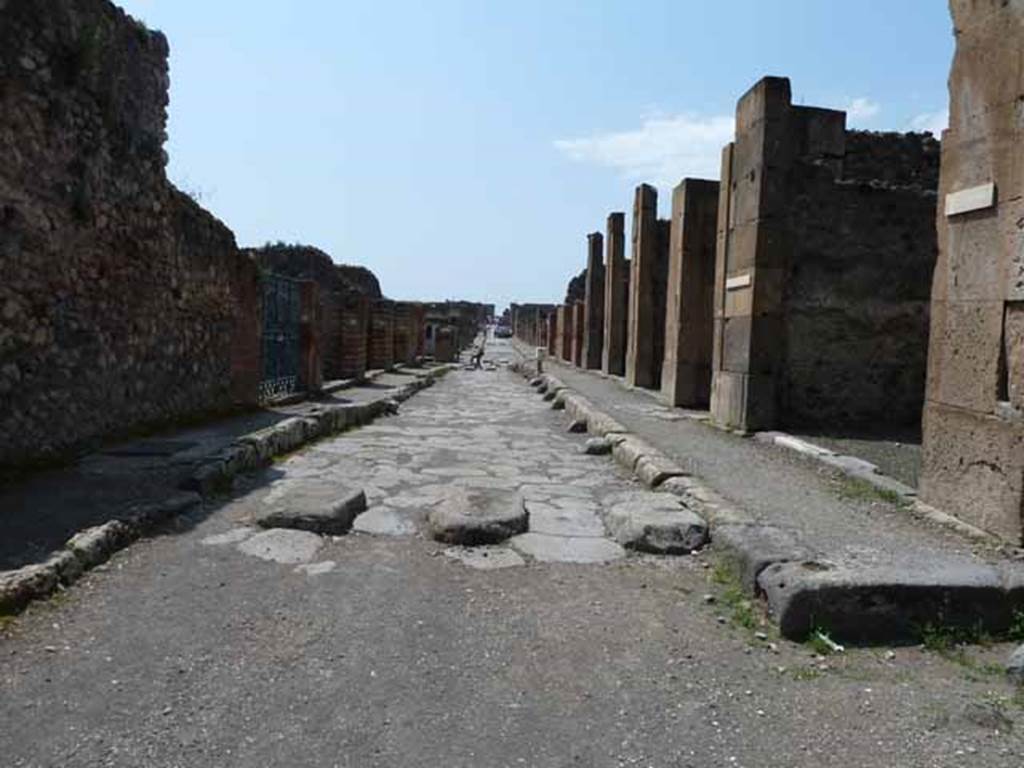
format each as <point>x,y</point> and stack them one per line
<point>380,352</point>
<point>689,330</point>
<point>645,346</point>
<point>973,450</point>
<point>825,254</point>
<point>616,297</point>
<point>564,332</point>
<point>578,328</point>
<point>593,311</point>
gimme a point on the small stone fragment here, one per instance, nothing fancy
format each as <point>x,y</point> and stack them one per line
<point>597,446</point>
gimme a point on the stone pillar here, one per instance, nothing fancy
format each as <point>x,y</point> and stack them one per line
<point>419,326</point>
<point>310,363</point>
<point>973,447</point>
<point>381,349</point>
<point>578,326</point>
<point>616,297</point>
<point>749,254</point>
<point>565,332</point>
<point>689,330</point>
<point>645,347</point>
<point>355,319</point>
<point>552,333</point>
<point>826,247</point>
<point>593,311</point>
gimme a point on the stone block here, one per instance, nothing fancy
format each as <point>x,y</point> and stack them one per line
<point>865,604</point>
<point>972,466</point>
<point>965,338</point>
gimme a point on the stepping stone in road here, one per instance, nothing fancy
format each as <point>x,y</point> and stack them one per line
<point>308,513</point>
<point>658,526</point>
<point>477,516</point>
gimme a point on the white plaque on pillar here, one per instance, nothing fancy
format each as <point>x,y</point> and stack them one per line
<point>738,281</point>
<point>971,199</point>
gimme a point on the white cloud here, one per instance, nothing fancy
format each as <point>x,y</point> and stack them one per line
<point>661,151</point>
<point>861,110</point>
<point>930,121</point>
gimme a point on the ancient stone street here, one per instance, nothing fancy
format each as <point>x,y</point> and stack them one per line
<point>219,643</point>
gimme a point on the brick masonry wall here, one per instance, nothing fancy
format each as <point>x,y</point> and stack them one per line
<point>124,304</point>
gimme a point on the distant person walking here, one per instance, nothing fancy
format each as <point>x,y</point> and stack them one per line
<point>478,354</point>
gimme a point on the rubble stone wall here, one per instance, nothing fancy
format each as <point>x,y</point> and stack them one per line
<point>123,303</point>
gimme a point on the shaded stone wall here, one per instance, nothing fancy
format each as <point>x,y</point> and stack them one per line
<point>686,373</point>
<point>576,290</point>
<point>380,351</point>
<point>593,311</point>
<point>354,338</point>
<point>973,450</point>
<point>124,304</point>
<point>616,297</point>
<point>821,281</point>
<point>405,332</point>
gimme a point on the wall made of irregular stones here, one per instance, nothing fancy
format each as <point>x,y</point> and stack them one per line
<point>855,330</point>
<point>123,303</point>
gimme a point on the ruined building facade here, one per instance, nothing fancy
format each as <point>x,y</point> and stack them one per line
<point>973,449</point>
<point>826,245</point>
<point>124,303</point>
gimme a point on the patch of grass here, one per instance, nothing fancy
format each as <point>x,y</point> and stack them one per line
<point>946,640</point>
<point>744,614</point>
<point>855,489</point>
<point>820,641</point>
<point>6,621</point>
<point>1016,630</point>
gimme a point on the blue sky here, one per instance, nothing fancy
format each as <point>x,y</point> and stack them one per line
<point>463,149</point>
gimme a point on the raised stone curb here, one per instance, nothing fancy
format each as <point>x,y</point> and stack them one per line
<point>881,603</point>
<point>95,545</point>
<point>250,452</point>
<point>663,527</point>
<point>854,603</point>
<point>85,550</point>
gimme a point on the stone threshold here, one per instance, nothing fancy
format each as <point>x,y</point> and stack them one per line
<point>804,591</point>
<point>213,476</point>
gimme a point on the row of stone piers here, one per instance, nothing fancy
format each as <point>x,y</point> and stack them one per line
<point>799,291</point>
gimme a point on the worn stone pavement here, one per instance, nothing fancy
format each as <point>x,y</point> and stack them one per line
<point>40,512</point>
<point>216,644</point>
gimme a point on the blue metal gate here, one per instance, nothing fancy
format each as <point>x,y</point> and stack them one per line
<point>282,312</point>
